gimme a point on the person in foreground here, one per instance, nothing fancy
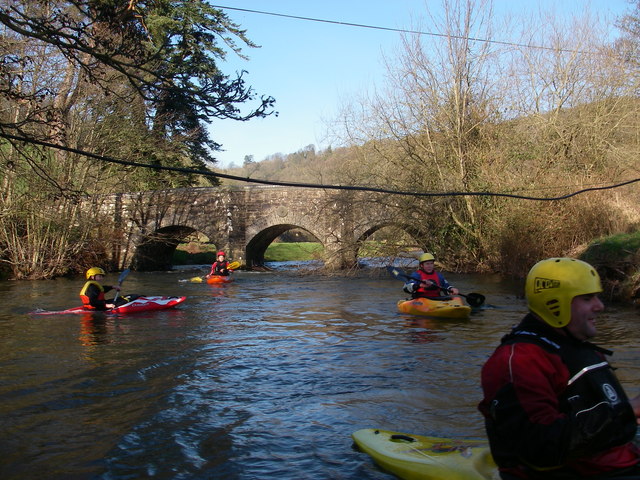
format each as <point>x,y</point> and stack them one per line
<point>553,407</point>
<point>92,293</point>
<point>426,281</point>
<point>220,266</point>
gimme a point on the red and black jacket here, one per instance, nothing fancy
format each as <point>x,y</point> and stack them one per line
<point>553,407</point>
<point>220,268</point>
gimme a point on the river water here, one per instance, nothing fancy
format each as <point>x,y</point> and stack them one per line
<point>262,378</point>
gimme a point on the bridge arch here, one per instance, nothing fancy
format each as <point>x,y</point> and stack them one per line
<point>274,223</point>
<point>258,245</point>
<point>156,250</point>
<point>368,230</point>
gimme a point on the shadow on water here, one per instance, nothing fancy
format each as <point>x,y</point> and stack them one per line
<point>264,377</point>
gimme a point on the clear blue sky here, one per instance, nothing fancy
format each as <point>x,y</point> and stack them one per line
<point>311,67</point>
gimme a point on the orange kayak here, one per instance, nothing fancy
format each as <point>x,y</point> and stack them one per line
<point>214,279</point>
<point>453,307</point>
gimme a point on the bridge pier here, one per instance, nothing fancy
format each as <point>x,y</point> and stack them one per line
<point>340,255</point>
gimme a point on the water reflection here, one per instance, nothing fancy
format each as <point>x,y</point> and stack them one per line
<point>93,329</point>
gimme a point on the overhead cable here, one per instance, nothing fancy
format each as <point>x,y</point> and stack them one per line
<point>206,173</point>
<point>400,30</point>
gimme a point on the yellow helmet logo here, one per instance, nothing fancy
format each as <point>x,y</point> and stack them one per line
<point>540,284</point>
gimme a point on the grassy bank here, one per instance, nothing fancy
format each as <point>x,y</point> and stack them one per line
<point>199,254</point>
<point>617,259</point>
<point>283,252</point>
<point>194,253</point>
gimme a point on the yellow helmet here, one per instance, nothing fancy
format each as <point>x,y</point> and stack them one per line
<point>552,283</point>
<point>426,257</point>
<point>95,271</point>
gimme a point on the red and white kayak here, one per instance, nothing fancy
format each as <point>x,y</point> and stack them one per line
<point>139,304</point>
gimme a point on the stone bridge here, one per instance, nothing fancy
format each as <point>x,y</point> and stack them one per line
<point>244,221</point>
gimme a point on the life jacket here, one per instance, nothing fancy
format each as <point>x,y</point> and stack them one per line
<point>86,301</point>
<point>594,397</point>
<point>435,277</point>
<point>217,267</point>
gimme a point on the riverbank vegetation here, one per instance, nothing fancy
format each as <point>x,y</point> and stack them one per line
<point>512,149</point>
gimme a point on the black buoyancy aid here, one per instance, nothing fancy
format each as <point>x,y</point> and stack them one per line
<point>86,301</point>
<point>594,397</point>
<point>219,267</point>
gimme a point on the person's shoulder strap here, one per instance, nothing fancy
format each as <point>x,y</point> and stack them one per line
<point>88,284</point>
<point>528,331</point>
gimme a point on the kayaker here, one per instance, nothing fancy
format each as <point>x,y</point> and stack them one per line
<point>220,267</point>
<point>92,293</point>
<point>553,407</point>
<point>426,281</point>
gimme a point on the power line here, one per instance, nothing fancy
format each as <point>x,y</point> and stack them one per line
<point>311,185</point>
<point>400,30</point>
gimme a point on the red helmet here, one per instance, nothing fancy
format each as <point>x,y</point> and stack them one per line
<point>220,253</point>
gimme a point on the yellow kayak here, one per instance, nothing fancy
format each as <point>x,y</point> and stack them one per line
<point>414,457</point>
<point>452,308</point>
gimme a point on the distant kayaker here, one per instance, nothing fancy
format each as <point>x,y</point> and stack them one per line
<point>220,267</point>
<point>553,407</point>
<point>426,282</point>
<point>92,293</point>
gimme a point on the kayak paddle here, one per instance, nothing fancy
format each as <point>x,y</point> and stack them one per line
<point>473,299</point>
<point>121,278</point>
<point>232,266</point>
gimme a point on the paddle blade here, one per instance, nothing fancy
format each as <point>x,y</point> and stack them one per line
<point>234,265</point>
<point>121,278</point>
<point>196,280</point>
<point>475,299</point>
<point>397,273</point>
<point>123,275</point>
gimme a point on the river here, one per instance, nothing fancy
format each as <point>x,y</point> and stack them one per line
<point>265,377</point>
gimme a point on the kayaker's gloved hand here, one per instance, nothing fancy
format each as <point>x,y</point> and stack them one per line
<point>409,287</point>
<point>430,285</point>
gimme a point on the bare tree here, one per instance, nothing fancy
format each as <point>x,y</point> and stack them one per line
<point>426,129</point>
